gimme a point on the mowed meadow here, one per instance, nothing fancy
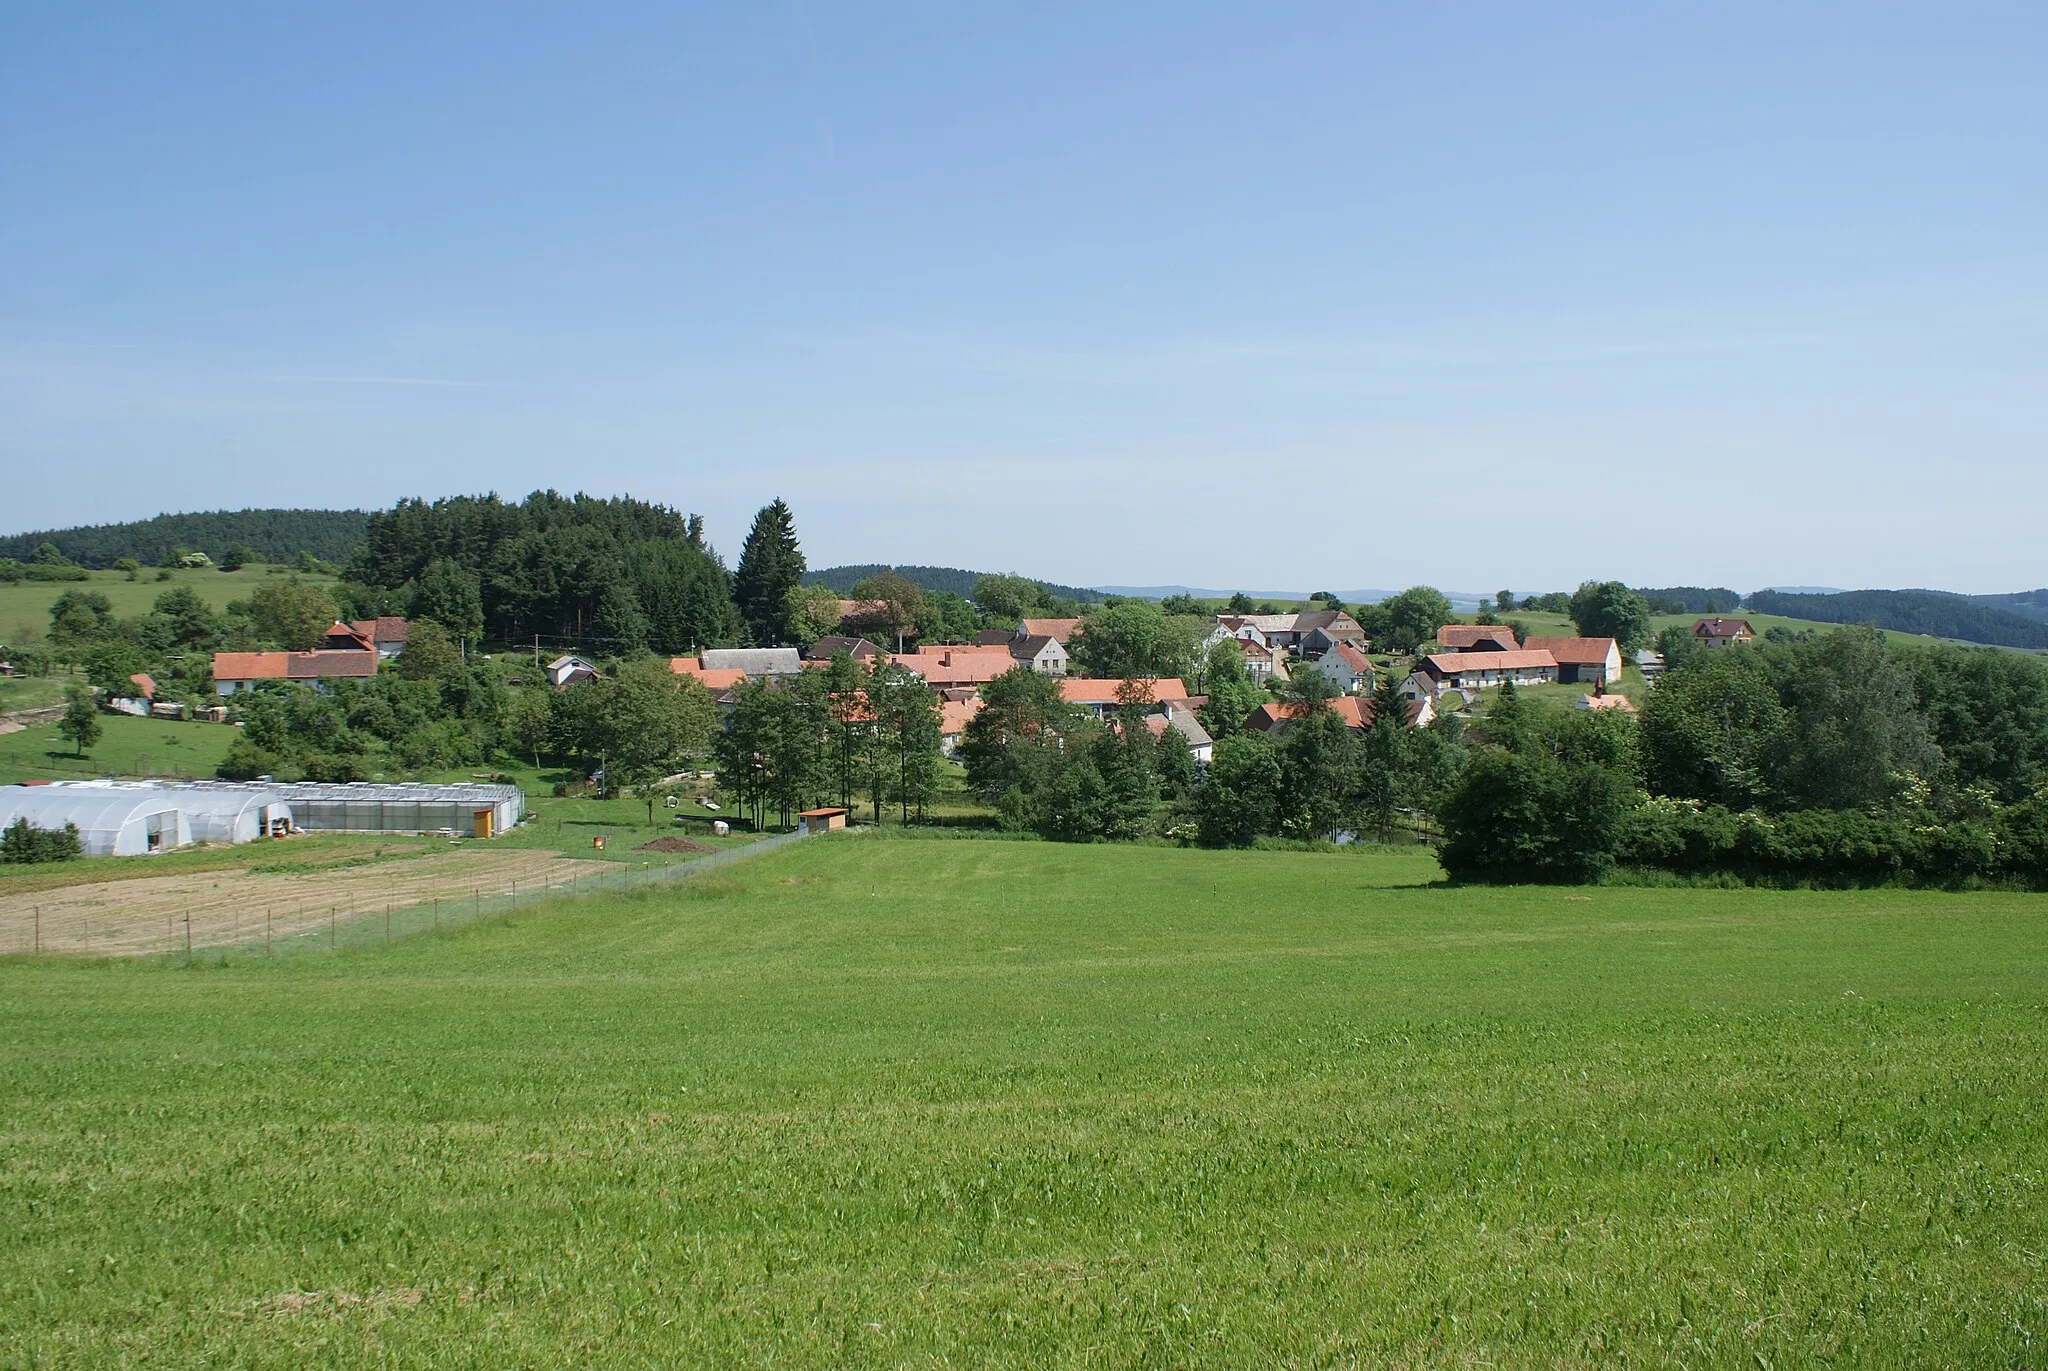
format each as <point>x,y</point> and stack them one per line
<point>915,1102</point>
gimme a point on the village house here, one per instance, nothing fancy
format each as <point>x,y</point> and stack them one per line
<point>564,672</point>
<point>1722,632</point>
<point>1319,631</point>
<point>954,716</point>
<point>1347,668</point>
<point>1310,633</point>
<point>943,667</point>
<point>237,672</point>
<point>1099,697</point>
<point>1482,670</point>
<point>754,661</point>
<point>1355,710</point>
<point>1183,721</point>
<point>1477,638</point>
<point>1581,661</point>
<point>386,633</point>
<point>1059,630</point>
<point>719,680</point>
<point>341,637</point>
<point>832,644</point>
<point>1042,652</point>
<point>1259,660</point>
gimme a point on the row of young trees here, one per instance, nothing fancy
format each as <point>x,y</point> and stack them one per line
<point>832,737</point>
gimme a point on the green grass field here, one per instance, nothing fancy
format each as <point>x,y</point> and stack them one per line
<point>25,605</point>
<point>127,747</point>
<point>890,1102</point>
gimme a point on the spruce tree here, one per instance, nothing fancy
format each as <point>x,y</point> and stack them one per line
<point>771,565</point>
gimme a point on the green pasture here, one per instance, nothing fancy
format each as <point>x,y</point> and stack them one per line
<point>25,605</point>
<point>127,747</point>
<point>889,1101</point>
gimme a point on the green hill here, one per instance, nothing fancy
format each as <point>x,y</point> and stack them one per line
<point>1933,612</point>
<point>273,535</point>
<point>950,578</point>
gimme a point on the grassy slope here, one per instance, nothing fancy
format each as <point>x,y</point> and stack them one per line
<point>25,605</point>
<point>127,747</point>
<point>878,1102</point>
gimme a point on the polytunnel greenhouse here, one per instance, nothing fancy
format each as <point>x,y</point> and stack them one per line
<point>112,820</point>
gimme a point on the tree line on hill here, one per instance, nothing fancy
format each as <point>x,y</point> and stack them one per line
<point>1932,612</point>
<point>247,535</point>
<point>947,579</point>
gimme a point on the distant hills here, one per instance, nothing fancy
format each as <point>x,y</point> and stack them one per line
<point>1937,613</point>
<point>947,578</point>
<point>274,535</point>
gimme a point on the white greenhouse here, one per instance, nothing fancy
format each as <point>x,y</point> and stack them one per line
<point>481,811</point>
<point>227,812</point>
<point>113,821</point>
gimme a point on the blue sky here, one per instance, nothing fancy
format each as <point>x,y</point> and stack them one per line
<point>1281,296</point>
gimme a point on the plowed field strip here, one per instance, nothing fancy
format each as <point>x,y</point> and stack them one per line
<point>226,908</point>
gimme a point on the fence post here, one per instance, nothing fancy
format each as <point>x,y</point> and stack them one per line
<point>266,930</point>
<point>387,922</point>
<point>39,930</point>
<point>330,927</point>
<point>476,902</point>
<point>437,912</point>
<point>188,935</point>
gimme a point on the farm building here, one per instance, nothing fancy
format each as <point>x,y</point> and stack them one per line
<point>1477,638</point>
<point>482,811</point>
<point>112,820</point>
<point>823,820</point>
<point>1483,670</point>
<point>1581,661</point>
<point>755,661</point>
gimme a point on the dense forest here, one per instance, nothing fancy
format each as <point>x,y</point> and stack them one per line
<point>260,535</point>
<point>620,574</point>
<point>948,579</point>
<point>1690,599</point>
<point>2028,604</point>
<point>1932,612</point>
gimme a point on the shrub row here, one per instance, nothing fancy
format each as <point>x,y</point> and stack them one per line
<point>1839,848</point>
<point>21,842</point>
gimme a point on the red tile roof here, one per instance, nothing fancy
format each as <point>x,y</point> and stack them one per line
<point>1579,651</point>
<point>957,665</point>
<point>1058,629</point>
<point>1464,637</point>
<point>1723,628</point>
<point>385,628</point>
<point>293,666</point>
<point>1082,690</point>
<point>1457,663</point>
<point>1353,658</point>
<point>323,666</point>
<point>713,679</point>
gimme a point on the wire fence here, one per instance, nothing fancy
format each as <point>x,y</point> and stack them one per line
<point>311,926</point>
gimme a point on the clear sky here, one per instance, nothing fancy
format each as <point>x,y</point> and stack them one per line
<point>1269,295</point>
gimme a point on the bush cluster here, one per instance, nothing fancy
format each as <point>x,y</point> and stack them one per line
<point>1839,847</point>
<point>22,843</point>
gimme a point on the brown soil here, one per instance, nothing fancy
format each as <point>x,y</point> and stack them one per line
<point>228,907</point>
<point>673,844</point>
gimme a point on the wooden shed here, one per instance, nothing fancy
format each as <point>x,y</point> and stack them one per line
<point>822,820</point>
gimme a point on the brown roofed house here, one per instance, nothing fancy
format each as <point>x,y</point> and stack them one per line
<point>1722,632</point>
<point>1582,661</point>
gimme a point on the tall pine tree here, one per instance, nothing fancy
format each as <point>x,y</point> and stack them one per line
<point>771,565</point>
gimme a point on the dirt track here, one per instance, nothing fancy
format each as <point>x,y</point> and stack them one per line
<point>147,914</point>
